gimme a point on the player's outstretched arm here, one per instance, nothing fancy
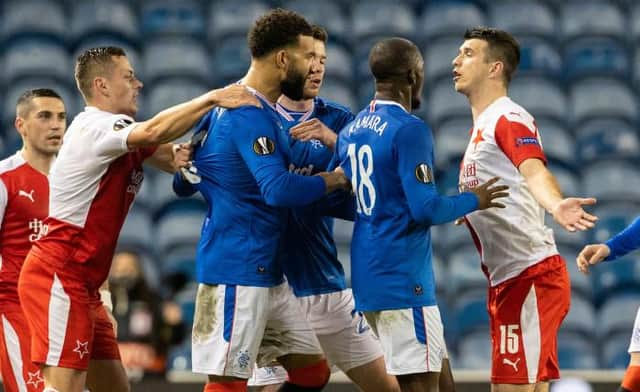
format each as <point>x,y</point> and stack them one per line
<point>175,121</point>
<point>619,245</point>
<point>568,212</point>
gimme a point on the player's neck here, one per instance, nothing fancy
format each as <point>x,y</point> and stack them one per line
<point>263,81</point>
<point>481,99</point>
<point>297,106</point>
<point>389,92</point>
<point>40,162</point>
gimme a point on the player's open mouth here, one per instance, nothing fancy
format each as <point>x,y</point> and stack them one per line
<point>456,76</point>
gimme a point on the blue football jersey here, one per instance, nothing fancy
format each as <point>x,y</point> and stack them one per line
<point>388,155</point>
<point>308,256</point>
<point>242,162</point>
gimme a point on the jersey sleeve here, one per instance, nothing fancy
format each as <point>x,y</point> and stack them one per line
<point>414,154</point>
<point>518,142</point>
<point>111,133</point>
<point>182,187</point>
<point>625,242</point>
<point>256,138</point>
<point>4,199</point>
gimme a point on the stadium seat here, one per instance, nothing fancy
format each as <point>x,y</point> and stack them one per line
<point>449,18</point>
<point>95,17</point>
<point>539,57</point>
<point>166,17</point>
<point>176,57</point>
<point>137,231</point>
<point>592,17</point>
<point>540,97</point>
<point>576,352</point>
<point>180,263</point>
<point>339,63</point>
<point>233,18</point>
<point>606,138</point>
<point>444,103</point>
<point>612,180</point>
<point>580,283</point>
<point>372,18</point>
<point>602,97</point>
<point>474,350</point>
<point>451,139</point>
<point>527,17</point>
<point>613,218</point>
<point>618,314</point>
<point>231,60</point>
<point>610,280</point>
<point>568,178</point>
<point>614,350</point>
<point>171,92</point>
<point>133,55</point>
<point>557,141</point>
<point>596,56</point>
<point>581,319</point>
<point>465,271</point>
<point>25,18</point>
<point>33,57</point>
<point>470,311</point>
<point>328,14</point>
<point>178,229</point>
<point>334,90</point>
<point>438,56</point>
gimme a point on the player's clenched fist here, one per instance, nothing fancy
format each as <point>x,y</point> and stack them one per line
<point>336,180</point>
<point>590,255</point>
<point>487,193</point>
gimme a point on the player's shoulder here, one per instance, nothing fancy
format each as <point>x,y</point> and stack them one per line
<point>509,112</point>
<point>100,120</point>
<point>331,106</point>
<point>11,163</point>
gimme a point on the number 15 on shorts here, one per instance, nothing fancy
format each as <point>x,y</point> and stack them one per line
<point>509,339</point>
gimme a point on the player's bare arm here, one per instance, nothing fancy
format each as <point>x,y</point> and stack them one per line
<point>590,255</point>
<point>568,212</point>
<point>314,129</point>
<point>175,121</point>
<point>487,194</point>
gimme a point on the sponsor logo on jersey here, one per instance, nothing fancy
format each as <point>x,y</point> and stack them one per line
<point>424,174</point>
<point>121,124</point>
<point>136,181</point>
<point>28,195</point>
<point>38,228</point>
<point>303,171</point>
<point>514,365</point>
<point>264,146</point>
<point>418,290</point>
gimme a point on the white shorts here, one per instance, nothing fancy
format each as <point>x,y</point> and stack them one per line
<point>412,339</point>
<point>634,346</point>
<point>344,335</point>
<point>237,326</point>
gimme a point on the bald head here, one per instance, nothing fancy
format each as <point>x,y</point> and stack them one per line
<point>392,59</point>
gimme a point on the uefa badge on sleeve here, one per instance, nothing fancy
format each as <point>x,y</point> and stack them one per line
<point>121,123</point>
<point>264,146</point>
<point>424,174</point>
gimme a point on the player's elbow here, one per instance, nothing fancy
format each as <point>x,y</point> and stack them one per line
<point>276,198</point>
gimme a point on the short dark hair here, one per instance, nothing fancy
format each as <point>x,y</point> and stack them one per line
<point>93,62</point>
<point>320,33</point>
<point>392,58</point>
<point>276,29</point>
<point>502,46</point>
<point>23,105</point>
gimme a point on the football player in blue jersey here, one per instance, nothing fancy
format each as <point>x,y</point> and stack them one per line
<point>388,155</point>
<point>309,258</point>
<point>245,313</point>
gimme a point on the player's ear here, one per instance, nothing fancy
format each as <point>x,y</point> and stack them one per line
<point>496,70</point>
<point>412,77</point>
<point>282,59</point>
<point>19,124</point>
<point>100,85</point>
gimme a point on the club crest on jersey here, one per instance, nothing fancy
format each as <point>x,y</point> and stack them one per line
<point>121,124</point>
<point>424,174</point>
<point>264,146</point>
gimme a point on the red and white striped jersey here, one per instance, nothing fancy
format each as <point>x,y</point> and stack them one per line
<point>513,238</point>
<point>92,185</point>
<point>24,205</point>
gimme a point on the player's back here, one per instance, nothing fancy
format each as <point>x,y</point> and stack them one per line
<point>390,251</point>
<point>24,199</point>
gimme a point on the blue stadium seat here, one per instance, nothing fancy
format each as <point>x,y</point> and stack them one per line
<point>464,267</point>
<point>618,314</point>
<point>539,57</point>
<point>607,138</point>
<point>179,358</point>
<point>36,57</point>
<point>137,231</point>
<point>342,231</point>
<point>133,55</point>
<point>471,312</point>
<point>25,18</point>
<point>449,18</point>
<point>580,283</point>
<point>231,60</point>
<point>617,278</point>
<point>95,17</point>
<point>372,18</point>
<point>592,17</point>
<point>474,350</point>
<point>575,352</point>
<point>568,179</point>
<point>438,56</point>
<point>636,66</point>
<point>557,141</point>
<point>581,319</point>
<point>335,90</point>
<point>614,350</point>
<point>540,97</point>
<point>178,229</point>
<point>611,180</point>
<point>613,218</point>
<point>166,17</point>
<point>599,56</point>
<point>568,241</point>
<point>527,17</point>
<point>328,14</point>
<point>444,103</point>
<point>602,97</point>
<point>451,139</point>
<point>339,63</point>
<point>176,57</point>
<point>171,92</point>
<point>233,18</point>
